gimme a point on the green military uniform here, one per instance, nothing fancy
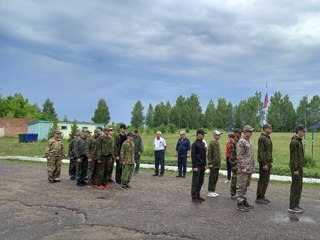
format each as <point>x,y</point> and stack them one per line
<point>138,149</point>
<point>264,158</point>
<point>234,166</point>
<point>54,154</point>
<point>214,158</point>
<point>119,140</point>
<point>92,156</point>
<point>80,152</point>
<point>127,161</point>
<point>296,164</point>
<point>105,154</point>
<point>72,164</point>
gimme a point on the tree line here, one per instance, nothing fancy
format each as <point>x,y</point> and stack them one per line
<point>187,112</point>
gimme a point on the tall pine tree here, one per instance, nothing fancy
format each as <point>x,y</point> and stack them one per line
<point>150,116</point>
<point>101,114</point>
<point>137,118</point>
<point>48,111</point>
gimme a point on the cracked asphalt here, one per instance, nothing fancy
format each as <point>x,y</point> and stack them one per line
<point>155,208</point>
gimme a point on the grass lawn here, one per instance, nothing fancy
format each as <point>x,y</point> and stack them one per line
<point>10,146</point>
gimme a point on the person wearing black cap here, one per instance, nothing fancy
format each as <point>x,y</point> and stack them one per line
<point>199,161</point>
<point>296,165</point>
<point>119,140</point>
<point>265,163</point>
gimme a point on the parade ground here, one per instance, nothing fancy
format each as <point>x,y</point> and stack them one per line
<point>154,208</point>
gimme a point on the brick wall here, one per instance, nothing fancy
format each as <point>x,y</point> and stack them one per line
<point>14,126</point>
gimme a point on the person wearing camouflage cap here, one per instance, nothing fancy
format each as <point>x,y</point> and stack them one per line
<point>54,154</point>
<point>265,163</point>
<point>246,167</point>
<point>234,162</point>
<point>72,163</point>
<point>127,161</point>
<point>296,165</point>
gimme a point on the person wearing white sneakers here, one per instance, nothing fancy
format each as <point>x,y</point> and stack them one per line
<point>214,161</point>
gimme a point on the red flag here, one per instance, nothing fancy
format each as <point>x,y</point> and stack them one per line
<point>266,101</point>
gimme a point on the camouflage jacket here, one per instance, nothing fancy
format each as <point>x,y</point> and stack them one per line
<point>214,155</point>
<point>80,147</point>
<point>55,148</point>
<point>138,144</point>
<point>127,153</point>
<point>92,148</point>
<point>296,153</point>
<point>245,155</point>
<point>71,149</point>
<point>265,149</point>
<point>105,146</point>
<point>233,152</point>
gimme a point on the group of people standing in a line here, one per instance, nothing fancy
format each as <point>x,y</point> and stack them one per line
<point>240,161</point>
<point>92,160</point>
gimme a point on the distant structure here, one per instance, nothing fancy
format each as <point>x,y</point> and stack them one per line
<point>12,127</point>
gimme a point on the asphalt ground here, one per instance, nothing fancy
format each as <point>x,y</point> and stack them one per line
<point>154,208</point>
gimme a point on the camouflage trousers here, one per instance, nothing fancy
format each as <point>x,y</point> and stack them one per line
<point>233,187</point>
<point>72,167</point>
<point>213,179</point>
<point>137,161</point>
<point>92,170</point>
<point>296,188</point>
<point>118,171</point>
<point>110,163</point>
<point>243,182</point>
<point>54,167</point>
<point>126,173</point>
<point>104,169</point>
<point>263,182</point>
<point>82,168</point>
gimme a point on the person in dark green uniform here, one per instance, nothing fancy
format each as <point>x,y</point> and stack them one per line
<point>127,161</point>
<point>81,157</point>
<point>119,140</point>
<point>296,165</point>
<point>233,162</point>
<point>265,163</point>
<point>138,149</point>
<point>72,163</point>
<point>92,157</point>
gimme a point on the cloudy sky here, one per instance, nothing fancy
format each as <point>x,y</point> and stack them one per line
<point>76,52</point>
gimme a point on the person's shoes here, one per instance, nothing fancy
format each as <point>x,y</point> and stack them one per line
<point>247,205</point>
<point>183,176</point>
<point>84,183</point>
<point>91,185</point>
<point>51,181</point>
<point>110,181</point>
<point>233,197</point>
<point>72,178</point>
<point>295,210</point>
<point>301,208</point>
<point>128,186</point>
<point>211,194</point>
<point>106,185</point>
<point>100,187</point>
<point>155,175</point>
<point>242,208</point>
<point>227,181</point>
<point>161,175</point>
<point>196,200</point>
<point>267,200</point>
<point>261,201</point>
<point>80,184</point>
<point>215,194</point>
<point>124,187</point>
<point>178,176</point>
<point>201,199</point>
<point>57,180</point>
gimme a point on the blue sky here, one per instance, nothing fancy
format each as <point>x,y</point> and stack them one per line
<point>76,52</point>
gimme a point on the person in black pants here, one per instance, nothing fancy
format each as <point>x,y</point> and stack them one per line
<point>227,157</point>
<point>199,161</point>
<point>182,151</point>
<point>159,151</point>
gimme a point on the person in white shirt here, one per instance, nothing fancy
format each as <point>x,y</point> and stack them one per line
<point>159,150</point>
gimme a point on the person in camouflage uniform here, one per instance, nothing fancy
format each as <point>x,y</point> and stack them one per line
<point>111,159</point>
<point>80,154</point>
<point>127,161</point>
<point>214,161</point>
<point>72,163</point>
<point>54,154</point>
<point>92,157</point>
<point>246,167</point>
<point>138,149</point>
<point>105,152</point>
<point>233,162</point>
<point>265,163</point>
<point>296,165</point>
<point>119,140</point>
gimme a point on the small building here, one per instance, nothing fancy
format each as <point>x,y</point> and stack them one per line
<point>12,127</point>
<point>42,128</point>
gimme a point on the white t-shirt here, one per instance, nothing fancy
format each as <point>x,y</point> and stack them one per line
<point>159,144</point>
<point>205,143</point>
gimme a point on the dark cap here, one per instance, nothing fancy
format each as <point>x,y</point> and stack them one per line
<point>201,131</point>
<point>136,131</point>
<point>300,127</point>
<point>267,125</point>
<point>231,135</point>
<point>237,130</point>
<point>130,134</point>
<point>123,126</point>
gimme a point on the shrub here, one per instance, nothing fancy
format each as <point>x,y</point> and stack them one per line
<point>148,151</point>
<point>141,129</point>
<point>172,128</point>
<point>162,128</point>
<point>187,130</point>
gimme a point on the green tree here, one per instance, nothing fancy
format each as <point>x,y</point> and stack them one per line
<point>65,118</point>
<point>195,111</point>
<point>221,113</point>
<point>74,129</point>
<point>160,115</point>
<point>150,116</point>
<point>168,113</point>
<point>101,114</point>
<point>54,126</point>
<point>288,119</point>
<point>314,106</point>
<point>179,113</point>
<point>48,111</point>
<point>137,118</point>
<point>209,116</point>
<point>303,111</point>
